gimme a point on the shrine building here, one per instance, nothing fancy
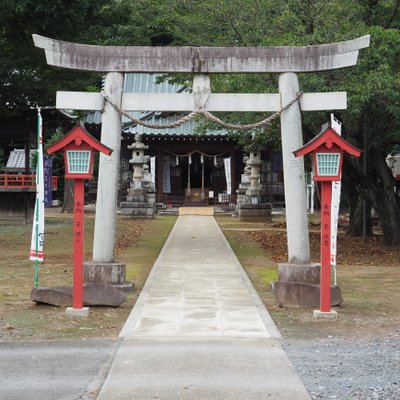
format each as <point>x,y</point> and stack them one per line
<point>210,165</point>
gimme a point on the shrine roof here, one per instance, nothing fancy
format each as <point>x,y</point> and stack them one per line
<point>186,129</point>
<point>150,83</point>
<point>16,160</point>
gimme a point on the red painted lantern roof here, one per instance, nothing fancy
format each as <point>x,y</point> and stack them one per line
<point>326,140</point>
<point>77,136</point>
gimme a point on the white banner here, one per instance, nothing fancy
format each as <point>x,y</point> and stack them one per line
<point>227,164</point>
<point>166,174</point>
<point>153,170</point>
<point>36,251</point>
<point>336,189</point>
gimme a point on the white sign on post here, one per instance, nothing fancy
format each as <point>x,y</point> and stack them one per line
<point>336,189</point>
<point>166,175</point>
<point>227,164</point>
<point>153,170</point>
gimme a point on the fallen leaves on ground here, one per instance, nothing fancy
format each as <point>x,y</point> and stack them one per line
<point>351,250</point>
<point>129,232</point>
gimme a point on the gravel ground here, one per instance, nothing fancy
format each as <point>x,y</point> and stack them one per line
<point>348,369</point>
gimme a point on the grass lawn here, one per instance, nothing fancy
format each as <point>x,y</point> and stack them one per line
<point>138,244</point>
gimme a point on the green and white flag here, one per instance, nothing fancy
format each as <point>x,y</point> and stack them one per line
<point>36,252</point>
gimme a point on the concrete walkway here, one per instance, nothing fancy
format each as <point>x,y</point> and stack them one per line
<point>199,329</point>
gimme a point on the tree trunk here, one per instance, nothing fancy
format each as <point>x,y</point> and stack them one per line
<point>68,203</point>
<point>378,189</point>
<point>386,202</point>
<point>388,213</point>
<point>356,223</point>
<point>355,202</point>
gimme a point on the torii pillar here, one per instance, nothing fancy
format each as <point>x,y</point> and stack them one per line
<point>295,190</point>
<point>201,61</point>
<point>107,187</point>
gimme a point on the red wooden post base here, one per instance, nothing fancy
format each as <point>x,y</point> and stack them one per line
<point>77,299</point>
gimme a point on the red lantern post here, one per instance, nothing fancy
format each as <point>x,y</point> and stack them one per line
<point>325,275</point>
<point>327,149</point>
<point>79,233</point>
<point>79,148</point>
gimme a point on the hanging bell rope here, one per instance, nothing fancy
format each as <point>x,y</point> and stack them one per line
<point>205,114</point>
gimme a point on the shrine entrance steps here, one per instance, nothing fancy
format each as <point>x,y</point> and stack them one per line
<point>196,211</point>
<point>199,330</point>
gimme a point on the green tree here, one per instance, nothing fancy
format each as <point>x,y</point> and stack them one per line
<point>374,122</point>
<point>26,79</point>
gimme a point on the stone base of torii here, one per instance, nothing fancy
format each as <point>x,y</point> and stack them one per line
<point>299,286</point>
<point>202,61</point>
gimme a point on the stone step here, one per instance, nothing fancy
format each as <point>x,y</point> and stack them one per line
<point>207,211</point>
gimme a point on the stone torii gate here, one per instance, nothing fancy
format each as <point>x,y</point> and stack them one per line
<point>202,61</point>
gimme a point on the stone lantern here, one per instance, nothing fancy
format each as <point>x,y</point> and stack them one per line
<point>138,160</point>
<point>254,162</point>
<point>138,201</point>
<point>249,203</point>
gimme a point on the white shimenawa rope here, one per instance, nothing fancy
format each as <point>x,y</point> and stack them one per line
<point>206,114</point>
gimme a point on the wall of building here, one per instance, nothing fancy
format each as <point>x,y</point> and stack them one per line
<point>17,204</point>
<point>271,178</point>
